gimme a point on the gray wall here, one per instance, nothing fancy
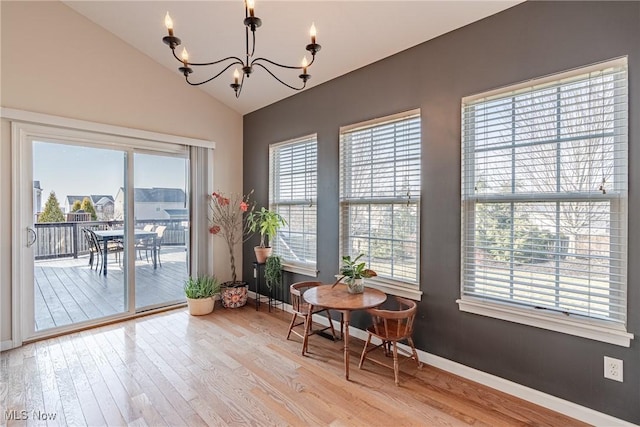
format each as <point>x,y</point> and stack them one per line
<point>530,40</point>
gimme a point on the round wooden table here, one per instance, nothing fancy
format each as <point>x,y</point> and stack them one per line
<point>339,299</point>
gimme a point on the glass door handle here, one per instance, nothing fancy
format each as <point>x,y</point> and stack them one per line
<point>32,236</point>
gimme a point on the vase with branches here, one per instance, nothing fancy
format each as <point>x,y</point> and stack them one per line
<point>228,219</point>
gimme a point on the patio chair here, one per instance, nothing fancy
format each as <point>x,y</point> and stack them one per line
<point>160,233</point>
<point>115,247</point>
<point>94,251</point>
<point>145,244</point>
<point>391,326</point>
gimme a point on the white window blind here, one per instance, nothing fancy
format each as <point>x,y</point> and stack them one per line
<point>380,196</point>
<point>292,190</point>
<point>544,194</point>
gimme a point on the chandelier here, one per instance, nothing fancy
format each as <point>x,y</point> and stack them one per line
<point>246,65</point>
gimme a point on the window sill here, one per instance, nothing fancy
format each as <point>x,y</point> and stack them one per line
<point>591,329</point>
<point>306,270</point>
<point>392,288</point>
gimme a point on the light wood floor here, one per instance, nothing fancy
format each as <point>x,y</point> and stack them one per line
<point>234,367</point>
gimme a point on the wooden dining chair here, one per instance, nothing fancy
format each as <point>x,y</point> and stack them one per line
<point>300,308</point>
<point>391,327</point>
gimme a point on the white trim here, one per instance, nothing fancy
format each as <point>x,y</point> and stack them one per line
<point>520,391</point>
<point>537,397</point>
<point>541,81</point>
<point>395,288</point>
<point>7,345</point>
<point>308,270</point>
<point>306,138</point>
<point>64,122</point>
<point>18,143</point>
<point>381,120</point>
<point>592,329</point>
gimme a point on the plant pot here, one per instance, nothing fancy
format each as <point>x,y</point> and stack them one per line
<point>262,253</point>
<point>200,306</point>
<point>234,294</point>
<point>355,286</point>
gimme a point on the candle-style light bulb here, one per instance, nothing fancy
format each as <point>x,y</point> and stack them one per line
<point>185,57</point>
<point>251,4</point>
<point>236,76</point>
<point>305,64</point>
<point>168,22</point>
<point>313,33</point>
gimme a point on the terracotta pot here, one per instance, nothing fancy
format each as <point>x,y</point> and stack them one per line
<point>201,306</point>
<point>234,295</point>
<point>262,253</point>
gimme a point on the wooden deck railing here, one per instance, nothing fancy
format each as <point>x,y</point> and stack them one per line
<point>65,239</point>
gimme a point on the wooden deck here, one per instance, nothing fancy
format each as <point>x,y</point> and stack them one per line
<point>67,290</point>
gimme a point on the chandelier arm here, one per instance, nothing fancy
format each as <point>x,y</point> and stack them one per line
<point>235,58</point>
<point>198,64</point>
<point>217,75</point>
<point>253,48</point>
<point>291,67</point>
<point>276,77</point>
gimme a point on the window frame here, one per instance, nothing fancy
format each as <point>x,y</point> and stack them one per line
<point>388,285</point>
<point>579,325</point>
<point>305,268</point>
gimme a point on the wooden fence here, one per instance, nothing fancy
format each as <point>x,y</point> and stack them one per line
<point>65,239</point>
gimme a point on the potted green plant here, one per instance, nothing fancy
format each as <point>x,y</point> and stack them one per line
<point>267,223</point>
<point>200,292</point>
<point>355,272</point>
<point>273,271</point>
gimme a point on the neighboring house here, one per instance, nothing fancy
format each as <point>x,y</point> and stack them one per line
<point>105,206</point>
<point>102,203</point>
<point>152,203</point>
<point>70,200</point>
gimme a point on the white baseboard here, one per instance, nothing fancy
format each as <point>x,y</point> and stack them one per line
<point>545,400</point>
<point>6,345</point>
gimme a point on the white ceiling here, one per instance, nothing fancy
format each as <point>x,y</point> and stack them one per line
<point>352,34</point>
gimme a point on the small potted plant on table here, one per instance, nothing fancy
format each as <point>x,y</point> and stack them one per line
<point>200,293</point>
<point>355,273</point>
<point>267,223</point>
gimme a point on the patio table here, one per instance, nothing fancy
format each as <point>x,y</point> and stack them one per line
<point>109,235</point>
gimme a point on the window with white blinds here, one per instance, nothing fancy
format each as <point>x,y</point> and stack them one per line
<point>292,193</point>
<point>544,196</point>
<point>380,196</point>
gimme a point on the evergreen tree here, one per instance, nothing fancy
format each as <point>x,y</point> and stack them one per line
<point>52,211</point>
<point>87,206</point>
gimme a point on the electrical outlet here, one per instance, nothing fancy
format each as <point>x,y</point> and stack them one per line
<point>613,368</point>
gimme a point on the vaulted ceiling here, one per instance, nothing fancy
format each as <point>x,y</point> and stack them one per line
<point>352,34</point>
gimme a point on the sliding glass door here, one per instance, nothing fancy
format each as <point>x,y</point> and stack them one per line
<point>102,229</point>
<point>161,209</point>
<point>78,249</point>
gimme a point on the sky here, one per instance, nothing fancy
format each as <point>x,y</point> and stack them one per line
<point>72,170</point>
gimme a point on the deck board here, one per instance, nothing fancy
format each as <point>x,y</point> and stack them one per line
<point>68,291</point>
